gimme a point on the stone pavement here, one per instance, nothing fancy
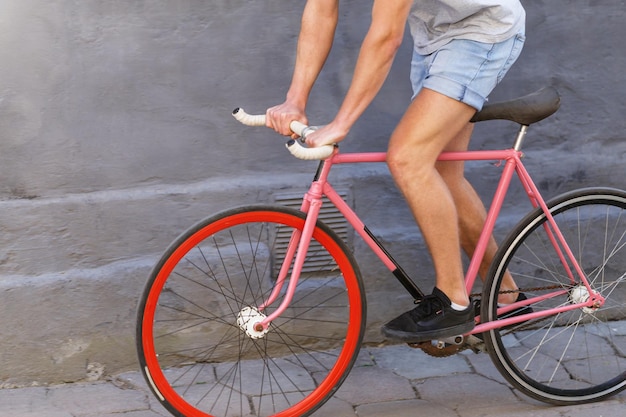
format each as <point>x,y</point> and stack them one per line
<point>391,381</point>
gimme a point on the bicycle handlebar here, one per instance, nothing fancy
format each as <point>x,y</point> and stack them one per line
<point>293,146</point>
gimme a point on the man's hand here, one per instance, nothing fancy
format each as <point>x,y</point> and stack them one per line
<point>326,135</point>
<point>279,117</point>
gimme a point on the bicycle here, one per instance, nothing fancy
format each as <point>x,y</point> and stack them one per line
<point>260,310</point>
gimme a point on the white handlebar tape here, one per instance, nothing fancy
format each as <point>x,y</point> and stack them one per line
<point>294,147</point>
<point>309,154</point>
<point>248,119</point>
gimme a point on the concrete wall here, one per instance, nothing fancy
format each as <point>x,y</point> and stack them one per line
<point>116,135</point>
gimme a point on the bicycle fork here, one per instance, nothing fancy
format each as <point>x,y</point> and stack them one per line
<point>251,320</point>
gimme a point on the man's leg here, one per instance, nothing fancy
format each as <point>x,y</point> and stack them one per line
<point>470,209</point>
<point>430,124</point>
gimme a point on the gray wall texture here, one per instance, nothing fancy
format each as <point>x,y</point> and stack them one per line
<point>116,135</point>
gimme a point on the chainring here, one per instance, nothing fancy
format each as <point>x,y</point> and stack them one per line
<point>440,351</point>
<point>436,351</point>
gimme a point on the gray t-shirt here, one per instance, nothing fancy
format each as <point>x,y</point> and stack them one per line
<point>434,23</point>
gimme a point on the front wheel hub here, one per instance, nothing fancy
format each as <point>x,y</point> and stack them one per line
<point>249,320</point>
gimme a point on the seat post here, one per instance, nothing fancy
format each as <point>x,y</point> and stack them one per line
<point>520,137</point>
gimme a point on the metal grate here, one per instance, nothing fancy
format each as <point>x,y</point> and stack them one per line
<point>318,260</point>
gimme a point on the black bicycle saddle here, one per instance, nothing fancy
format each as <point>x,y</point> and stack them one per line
<point>524,110</point>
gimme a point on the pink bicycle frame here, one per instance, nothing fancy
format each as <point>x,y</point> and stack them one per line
<point>312,202</point>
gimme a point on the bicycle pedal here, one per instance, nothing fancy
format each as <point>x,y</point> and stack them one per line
<point>454,340</point>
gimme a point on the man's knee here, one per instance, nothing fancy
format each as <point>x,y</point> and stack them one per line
<point>404,163</point>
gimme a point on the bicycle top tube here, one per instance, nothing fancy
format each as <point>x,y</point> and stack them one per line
<point>488,155</point>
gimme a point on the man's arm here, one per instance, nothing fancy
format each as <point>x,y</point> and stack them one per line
<point>317,32</point>
<point>377,53</point>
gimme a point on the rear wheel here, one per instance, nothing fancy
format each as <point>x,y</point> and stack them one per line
<point>580,355</point>
<point>194,349</point>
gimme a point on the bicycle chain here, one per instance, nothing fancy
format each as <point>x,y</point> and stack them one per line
<point>532,289</point>
<point>476,344</point>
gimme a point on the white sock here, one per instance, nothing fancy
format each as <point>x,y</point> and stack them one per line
<point>458,307</point>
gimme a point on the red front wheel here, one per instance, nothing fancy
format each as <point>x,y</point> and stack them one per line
<point>195,351</point>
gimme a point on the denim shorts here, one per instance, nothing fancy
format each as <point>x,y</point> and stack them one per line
<point>465,70</point>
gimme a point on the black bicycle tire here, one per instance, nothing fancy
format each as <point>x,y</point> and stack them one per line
<point>497,351</point>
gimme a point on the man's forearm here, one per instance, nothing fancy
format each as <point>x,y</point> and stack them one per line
<point>319,21</point>
<point>375,59</point>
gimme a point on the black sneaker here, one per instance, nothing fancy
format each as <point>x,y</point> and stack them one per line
<point>433,318</point>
